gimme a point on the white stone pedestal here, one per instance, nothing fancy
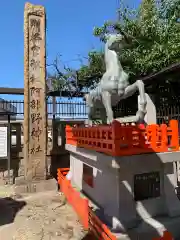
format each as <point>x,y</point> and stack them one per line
<point>113,189</point>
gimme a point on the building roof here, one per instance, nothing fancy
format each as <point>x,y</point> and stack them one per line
<point>172,70</point>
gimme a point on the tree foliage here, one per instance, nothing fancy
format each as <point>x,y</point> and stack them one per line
<point>153,33</point>
<point>63,78</point>
<point>89,75</point>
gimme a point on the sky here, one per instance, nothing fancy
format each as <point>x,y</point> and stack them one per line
<point>70,25</point>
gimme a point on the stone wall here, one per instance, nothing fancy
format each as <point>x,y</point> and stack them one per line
<point>16,169</point>
<point>57,156</point>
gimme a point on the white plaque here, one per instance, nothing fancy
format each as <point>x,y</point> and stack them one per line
<point>3,142</point>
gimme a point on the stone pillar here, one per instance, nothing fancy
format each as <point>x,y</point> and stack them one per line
<point>35,108</point>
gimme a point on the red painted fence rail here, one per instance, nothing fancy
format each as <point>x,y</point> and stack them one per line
<point>88,218</point>
<point>166,236</point>
<point>123,140</point>
<point>80,205</point>
<point>99,229</point>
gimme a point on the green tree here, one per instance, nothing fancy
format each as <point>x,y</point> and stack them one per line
<point>63,78</point>
<point>90,74</point>
<point>153,33</point>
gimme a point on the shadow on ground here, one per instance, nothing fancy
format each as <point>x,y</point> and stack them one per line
<point>89,236</point>
<point>8,209</point>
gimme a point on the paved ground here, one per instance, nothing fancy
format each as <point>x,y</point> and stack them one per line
<point>41,216</point>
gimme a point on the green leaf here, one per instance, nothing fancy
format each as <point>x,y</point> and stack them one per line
<point>153,33</point>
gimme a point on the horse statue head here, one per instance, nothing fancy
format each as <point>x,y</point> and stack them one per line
<point>114,41</point>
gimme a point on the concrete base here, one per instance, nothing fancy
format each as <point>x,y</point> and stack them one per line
<point>152,228</point>
<point>113,188</point>
<point>36,186</point>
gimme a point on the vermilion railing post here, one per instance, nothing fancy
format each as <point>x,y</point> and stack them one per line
<point>164,138</point>
<point>174,133</point>
<point>152,136</point>
<point>86,214</point>
<point>166,236</point>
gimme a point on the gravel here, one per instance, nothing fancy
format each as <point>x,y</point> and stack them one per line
<point>41,216</point>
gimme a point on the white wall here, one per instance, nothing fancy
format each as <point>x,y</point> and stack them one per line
<point>105,191</point>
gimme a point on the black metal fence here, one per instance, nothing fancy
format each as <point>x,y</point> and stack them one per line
<point>7,106</point>
<point>63,109</point>
<point>73,109</point>
<point>78,110</point>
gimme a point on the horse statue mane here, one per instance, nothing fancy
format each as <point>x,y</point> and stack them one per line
<point>114,85</point>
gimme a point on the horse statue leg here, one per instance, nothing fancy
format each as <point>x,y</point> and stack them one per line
<point>129,91</point>
<point>108,86</point>
<point>106,100</point>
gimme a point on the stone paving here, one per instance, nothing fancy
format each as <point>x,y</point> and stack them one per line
<point>40,216</point>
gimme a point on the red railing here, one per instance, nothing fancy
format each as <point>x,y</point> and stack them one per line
<point>122,140</point>
<point>167,236</point>
<point>88,218</point>
<point>79,204</point>
<point>99,229</point>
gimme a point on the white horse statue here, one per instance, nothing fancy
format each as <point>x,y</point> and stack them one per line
<point>114,86</point>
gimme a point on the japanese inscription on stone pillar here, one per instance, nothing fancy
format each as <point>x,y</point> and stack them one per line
<point>35,115</point>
